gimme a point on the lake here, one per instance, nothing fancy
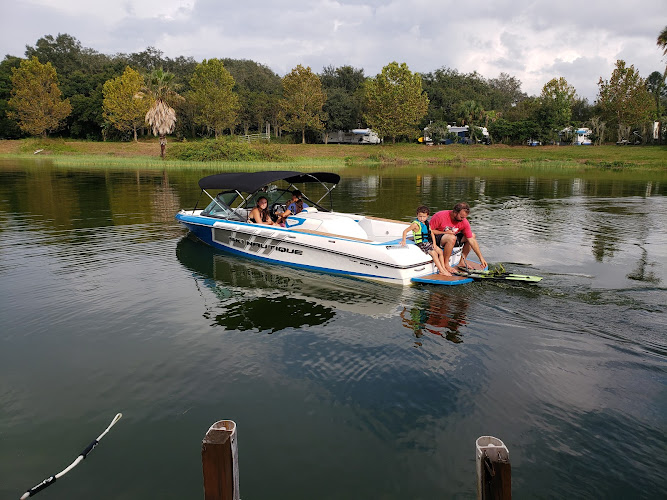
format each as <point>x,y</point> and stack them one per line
<point>340,388</point>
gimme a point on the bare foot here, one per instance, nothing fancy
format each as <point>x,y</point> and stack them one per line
<point>450,270</point>
<point>445,273</point>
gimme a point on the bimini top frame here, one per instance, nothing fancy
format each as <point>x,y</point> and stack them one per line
<point>251,182</point>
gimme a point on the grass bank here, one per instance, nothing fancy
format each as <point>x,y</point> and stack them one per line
<point>145,153</point>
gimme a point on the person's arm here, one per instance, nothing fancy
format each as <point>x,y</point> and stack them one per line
<point>475,248</point>
<point>411,227</point>
<point>448,230</point>
<point>284,215</point>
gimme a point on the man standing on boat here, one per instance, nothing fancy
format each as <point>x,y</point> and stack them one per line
<point>452,226</point>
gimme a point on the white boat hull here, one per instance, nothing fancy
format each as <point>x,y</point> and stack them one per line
<point>381,258</point>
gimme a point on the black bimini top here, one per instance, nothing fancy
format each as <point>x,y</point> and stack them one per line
<point>250,182</point>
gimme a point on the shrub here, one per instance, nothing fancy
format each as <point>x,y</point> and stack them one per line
<point>225,150</point>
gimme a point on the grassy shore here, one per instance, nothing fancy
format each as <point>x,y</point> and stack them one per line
<point>146,153</point>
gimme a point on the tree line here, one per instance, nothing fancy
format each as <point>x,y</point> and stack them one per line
<point>64,89</point>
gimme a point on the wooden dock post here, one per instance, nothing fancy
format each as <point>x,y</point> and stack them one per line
<point>494,471</point>
<point>220,462</point>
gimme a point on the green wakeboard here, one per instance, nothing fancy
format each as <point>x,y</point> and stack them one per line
<point>498,276</point>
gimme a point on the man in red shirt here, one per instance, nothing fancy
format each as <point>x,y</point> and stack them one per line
<point>448,226</point>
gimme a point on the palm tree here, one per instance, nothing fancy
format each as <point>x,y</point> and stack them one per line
<point>655,84</point>
<point>161,116</point>
<point>469,112</point>
<point>662,41</point>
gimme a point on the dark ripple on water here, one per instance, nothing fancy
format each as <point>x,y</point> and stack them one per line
<point>579,310</point>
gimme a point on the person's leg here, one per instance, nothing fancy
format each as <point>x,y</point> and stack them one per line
<point>438,262</point>
<point>466,246</point>
<point>447,243</point>
<point>440,256</point>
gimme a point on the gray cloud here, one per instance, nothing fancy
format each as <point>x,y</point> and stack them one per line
<point>533,41</point>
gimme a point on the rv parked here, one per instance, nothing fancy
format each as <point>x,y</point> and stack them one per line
<point>355,136</point>
<point>457,134</point>
<point>580,136</point>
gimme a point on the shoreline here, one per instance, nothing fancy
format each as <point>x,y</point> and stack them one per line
<point>145,153</point>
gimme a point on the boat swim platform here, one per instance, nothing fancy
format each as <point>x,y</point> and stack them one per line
<point>441,279</point>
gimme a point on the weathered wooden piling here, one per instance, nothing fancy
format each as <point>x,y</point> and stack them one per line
<point>220,463</point>
<point>494,471</point>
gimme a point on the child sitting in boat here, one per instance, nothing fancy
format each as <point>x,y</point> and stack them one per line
<point>296,205</point>
<point>425,240</point>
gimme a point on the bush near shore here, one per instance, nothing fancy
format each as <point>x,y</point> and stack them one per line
<point>147,151</point>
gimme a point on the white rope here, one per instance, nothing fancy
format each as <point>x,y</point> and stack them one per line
<point>50,480</point>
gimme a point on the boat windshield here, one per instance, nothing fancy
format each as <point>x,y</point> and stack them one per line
<point>272,194</point>
<point>219,207</point>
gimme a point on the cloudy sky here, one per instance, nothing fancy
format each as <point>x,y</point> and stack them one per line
<point>533,41</point>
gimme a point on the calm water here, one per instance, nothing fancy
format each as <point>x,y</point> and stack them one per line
<point>340,388</point>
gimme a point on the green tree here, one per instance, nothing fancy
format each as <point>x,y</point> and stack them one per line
<point>597,126</point>
<point>64,52</point>
<point>447,89</point>
<point>9,129</point>
<point>505,92</point>
<point>81,76</point>
<point>514,132</point>
<point>344,89</point>
<point>655,84</point>
<point>259,90</point>
<point>468,113</point>
<point>36,99</point>
<point>124,106</point>
<point>556,102</point>
<point>303,100</point>
<point>217,107</point>
<point>395,102</point>
<point>161,91</point>
<point>624,99</point>
<point>582,111</point>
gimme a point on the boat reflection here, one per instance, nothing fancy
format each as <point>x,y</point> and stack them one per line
<point>251,295</point>
<point>440,314</point>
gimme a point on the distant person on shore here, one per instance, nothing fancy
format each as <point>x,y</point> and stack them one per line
<point>425,240</point>
<point>452,226</point>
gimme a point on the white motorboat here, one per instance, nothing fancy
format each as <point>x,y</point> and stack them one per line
<point>317,238</point>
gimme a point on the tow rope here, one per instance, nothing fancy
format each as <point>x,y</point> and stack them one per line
<point>50,480</point>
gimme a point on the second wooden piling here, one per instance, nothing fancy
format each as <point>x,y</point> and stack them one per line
<point>220,464</point>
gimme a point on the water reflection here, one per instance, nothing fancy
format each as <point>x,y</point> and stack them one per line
<point>640,272</point>
<point>82,199</point>
<point>251,295</point>
<point>440,315</point>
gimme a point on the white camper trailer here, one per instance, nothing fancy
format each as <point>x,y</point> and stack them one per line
<point>582,137</point>
<point>355,136</point>
<point>463,134</point>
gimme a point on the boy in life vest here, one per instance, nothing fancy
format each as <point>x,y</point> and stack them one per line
<point>425,240</point>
